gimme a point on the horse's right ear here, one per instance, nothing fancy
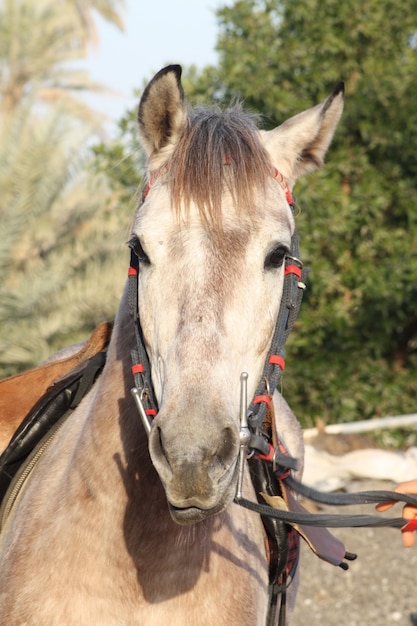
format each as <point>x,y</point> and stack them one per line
<point>162,114</point>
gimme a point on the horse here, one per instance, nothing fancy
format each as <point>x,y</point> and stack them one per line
<point>125,521</point>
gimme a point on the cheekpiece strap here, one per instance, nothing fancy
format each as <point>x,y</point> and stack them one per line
<point>295,275</point>
<point>140,362</point>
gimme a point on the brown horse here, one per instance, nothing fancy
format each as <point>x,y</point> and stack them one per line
<point>118,525</point>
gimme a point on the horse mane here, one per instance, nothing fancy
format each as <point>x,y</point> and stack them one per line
<point>219,151</point>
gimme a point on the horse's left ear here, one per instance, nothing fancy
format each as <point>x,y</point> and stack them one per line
<point>162,114</point>
<point>300,144</point>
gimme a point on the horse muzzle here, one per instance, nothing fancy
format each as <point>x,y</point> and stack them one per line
<point>199,478</point>
<point>198,507</point>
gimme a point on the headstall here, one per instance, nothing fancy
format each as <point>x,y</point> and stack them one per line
<point>254,439</point>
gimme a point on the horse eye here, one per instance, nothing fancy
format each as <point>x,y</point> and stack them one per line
<point>135,245</point>
<point>276,257</point>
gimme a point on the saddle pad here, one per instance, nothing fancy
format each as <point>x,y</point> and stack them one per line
<point>59,401</point>
<point>20,393</point>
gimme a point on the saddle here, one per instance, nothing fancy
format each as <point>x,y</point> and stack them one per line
<point>32,403</point>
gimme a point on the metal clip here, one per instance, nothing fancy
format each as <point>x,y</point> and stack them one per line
<point>146,421</point>
<point>295,260</point>
<point>244,433</point>
<point>267,387</point>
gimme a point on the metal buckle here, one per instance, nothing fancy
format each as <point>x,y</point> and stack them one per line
<point>296,260</point>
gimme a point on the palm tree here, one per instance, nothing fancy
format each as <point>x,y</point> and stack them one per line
<point>45,57</point>
<point>60,237</point>
<point>108,9</point>
<point>59,229</point>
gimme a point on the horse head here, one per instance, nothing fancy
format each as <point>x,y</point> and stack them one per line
<point>211,236</point>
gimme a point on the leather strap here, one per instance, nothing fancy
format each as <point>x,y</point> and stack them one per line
<point>19,394</point>
<point>62,398</point>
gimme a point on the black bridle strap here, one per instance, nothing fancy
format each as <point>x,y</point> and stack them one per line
<point>292,294</point>
<point>325,520</point>
<point>345,499</point>
<point>320,540</point>
<point>140,361</point>
<point>300,516</point>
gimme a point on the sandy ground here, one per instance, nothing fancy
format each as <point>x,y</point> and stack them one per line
<point>380,587</point>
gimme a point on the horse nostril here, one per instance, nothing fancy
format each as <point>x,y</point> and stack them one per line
<point>159,453</point>
<point>162,449</point>
<point>228,446</point>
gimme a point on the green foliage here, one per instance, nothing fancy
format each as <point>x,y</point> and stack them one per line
<point>354,352</point>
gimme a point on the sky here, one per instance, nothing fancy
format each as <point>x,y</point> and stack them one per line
<point>157,33</point>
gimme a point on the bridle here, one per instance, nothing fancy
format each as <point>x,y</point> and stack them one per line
<point>295,275</point>
<point>269,461</point>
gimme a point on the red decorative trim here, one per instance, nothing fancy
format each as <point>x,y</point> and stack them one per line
<point>269,456</point>
<point>289,196</point>
<point>275,359</point>
<point>151,412</point>
<point>293,553</point>
<point>285,471</point>
<point>137,369</point>
<point>132,271</point>
<point>283,474</point>
<point>259,399</point>
<point>153,177</point>
<point>410,526</point>
<point>293,269</point>
<point>281,180</point>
